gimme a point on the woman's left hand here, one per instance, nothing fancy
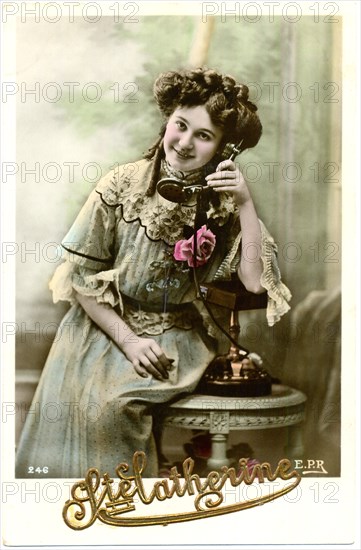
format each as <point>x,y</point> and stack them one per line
<point>228,178</point>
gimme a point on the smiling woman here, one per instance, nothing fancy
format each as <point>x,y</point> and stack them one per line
<point>191,139</point>
<point>134,335</point>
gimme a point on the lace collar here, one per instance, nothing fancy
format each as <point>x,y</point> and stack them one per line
<point>189,178</point>
<point>162,220</point>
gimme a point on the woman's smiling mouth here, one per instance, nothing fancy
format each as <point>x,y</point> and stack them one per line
<point>183,155</point>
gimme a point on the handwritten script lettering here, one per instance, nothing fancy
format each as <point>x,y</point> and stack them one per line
<point>107,500</point>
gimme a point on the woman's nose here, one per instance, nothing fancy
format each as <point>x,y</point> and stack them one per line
<point>186,141</point>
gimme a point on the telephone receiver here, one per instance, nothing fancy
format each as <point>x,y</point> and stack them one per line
<point>174,190</point>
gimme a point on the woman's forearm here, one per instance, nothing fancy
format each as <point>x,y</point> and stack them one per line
<point>228,178</point>
<point>250,267</point>
<point>107,319</point>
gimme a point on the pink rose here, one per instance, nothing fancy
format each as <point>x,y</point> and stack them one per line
<point>206,241</point>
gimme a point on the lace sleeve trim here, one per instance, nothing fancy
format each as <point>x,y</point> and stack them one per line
<point>103,286</point>
<point>61,283</point>
<point>278,294</point>
<point>69,278</point>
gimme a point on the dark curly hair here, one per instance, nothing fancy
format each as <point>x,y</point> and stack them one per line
<point>226,102</point>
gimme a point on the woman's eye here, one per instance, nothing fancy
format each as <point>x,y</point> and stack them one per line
<point>180,125</point>
<point>204,137</point>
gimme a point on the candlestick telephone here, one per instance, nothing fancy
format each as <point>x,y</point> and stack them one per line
<point>238,373</point>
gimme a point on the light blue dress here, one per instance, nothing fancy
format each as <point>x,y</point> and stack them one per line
<point>94,410</point>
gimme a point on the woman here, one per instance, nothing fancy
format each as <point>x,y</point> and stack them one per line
<point>134,335</point>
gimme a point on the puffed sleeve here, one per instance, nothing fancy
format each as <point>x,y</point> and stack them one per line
<point>278,293</point>
<point>89,242</point>
<point>88,251</point>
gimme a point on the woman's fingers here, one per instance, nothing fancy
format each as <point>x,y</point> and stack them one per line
<point>147,357</point>
<point>226,165</point>
<point>225,183</point>
<point>225,174</point>
<point>152,369</point>
<point>223,188</point>
<point>152,361</point>
<point>161,357</point>
<point>228,179</point>
<point>221,176</point>
<point>139,369</point>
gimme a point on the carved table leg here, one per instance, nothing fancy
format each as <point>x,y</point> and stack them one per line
<point>218,457</point>
<point>219,429</point>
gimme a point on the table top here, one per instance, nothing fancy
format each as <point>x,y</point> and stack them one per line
<point>281,396</point>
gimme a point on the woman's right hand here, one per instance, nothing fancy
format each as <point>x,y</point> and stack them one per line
<point>147,357</point>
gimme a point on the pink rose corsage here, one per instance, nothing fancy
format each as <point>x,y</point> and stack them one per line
<point>206,241</point>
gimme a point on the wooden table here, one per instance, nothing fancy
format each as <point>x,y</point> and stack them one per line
<point>285,407</point>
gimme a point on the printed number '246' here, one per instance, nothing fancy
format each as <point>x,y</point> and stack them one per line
<point>38,470</point>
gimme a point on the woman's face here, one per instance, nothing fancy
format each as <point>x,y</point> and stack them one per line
<point>191,139</point>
